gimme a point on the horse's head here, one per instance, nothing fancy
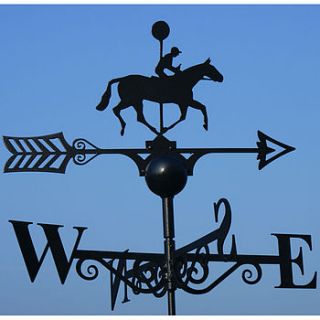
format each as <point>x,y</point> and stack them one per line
<point>211,72</point>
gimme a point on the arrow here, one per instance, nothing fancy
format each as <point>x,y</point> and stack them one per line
<point>52,153</point>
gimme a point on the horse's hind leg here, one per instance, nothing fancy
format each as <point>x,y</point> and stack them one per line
<point>199,106</point>
<point>116,110</point>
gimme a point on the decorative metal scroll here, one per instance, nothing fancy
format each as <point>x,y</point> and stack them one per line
<point>52,153</point>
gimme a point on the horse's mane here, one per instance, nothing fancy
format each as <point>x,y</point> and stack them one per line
<point>190,69</point>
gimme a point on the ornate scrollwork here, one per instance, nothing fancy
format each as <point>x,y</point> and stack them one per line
<point>185,275</point>
<point>91,271</point>
<point>149,278</point>
<point>195,271</point>
<point>81,146</point>
<point>189,269</point>
<point>249,277</point>
<point>144,277</point>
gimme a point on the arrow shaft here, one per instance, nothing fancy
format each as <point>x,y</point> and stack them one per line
<point>111,151</point>
<point>180,150</point>
<point>218,150</point>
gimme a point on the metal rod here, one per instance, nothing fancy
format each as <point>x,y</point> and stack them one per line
<point>218,150</point>
<point>145,151</point>
<point>96,254</point>
<point>161,104</point>
<point>158,257</point>
<point>169,249</point>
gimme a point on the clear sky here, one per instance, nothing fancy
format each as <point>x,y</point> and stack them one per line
<point>55,64</point>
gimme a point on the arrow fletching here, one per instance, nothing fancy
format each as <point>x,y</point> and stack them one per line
<point>266,154</point>
<point>50,153</point>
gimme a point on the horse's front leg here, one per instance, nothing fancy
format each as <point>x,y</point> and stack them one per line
<point>199,106</point>
<point>140,117</point>
<point>183,110</point>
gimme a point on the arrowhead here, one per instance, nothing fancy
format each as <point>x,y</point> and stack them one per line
<point>274,152</point>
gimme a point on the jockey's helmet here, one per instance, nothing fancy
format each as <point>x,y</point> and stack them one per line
<point>175,51</point>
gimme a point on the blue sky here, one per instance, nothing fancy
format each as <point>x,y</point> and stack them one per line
<point>55,64</point>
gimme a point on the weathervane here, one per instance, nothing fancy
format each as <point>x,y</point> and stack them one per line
<point>166,169</point>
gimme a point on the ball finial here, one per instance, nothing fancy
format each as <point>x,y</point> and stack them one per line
<point>166,175</point>
<point>160,30</point>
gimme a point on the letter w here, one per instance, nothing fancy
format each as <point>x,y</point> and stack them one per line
<point>54,243</point>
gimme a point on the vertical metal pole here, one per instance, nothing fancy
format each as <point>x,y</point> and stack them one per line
<point>169,249</point>
<point>161,104</point>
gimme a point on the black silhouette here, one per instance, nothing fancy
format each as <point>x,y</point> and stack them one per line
<point>133,89</point>
<point>166,63</point>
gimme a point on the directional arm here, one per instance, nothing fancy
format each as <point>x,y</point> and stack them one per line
<point>52,153</point>
<point>144,272</point>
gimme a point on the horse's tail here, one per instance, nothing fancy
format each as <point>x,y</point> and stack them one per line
<point>106,96</point>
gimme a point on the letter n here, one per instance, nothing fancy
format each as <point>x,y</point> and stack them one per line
<point>54,243</point>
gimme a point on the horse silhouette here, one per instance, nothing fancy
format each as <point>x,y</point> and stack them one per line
<point>133,89</point>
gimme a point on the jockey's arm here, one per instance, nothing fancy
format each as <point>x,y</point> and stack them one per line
<point>174,69</point>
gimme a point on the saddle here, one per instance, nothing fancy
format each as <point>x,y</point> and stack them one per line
<point>166,78</point>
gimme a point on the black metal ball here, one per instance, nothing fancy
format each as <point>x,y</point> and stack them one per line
<point>166,175</point>
<point>160,30</point>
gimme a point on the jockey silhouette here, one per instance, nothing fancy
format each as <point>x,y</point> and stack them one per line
<point>166,63</point>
